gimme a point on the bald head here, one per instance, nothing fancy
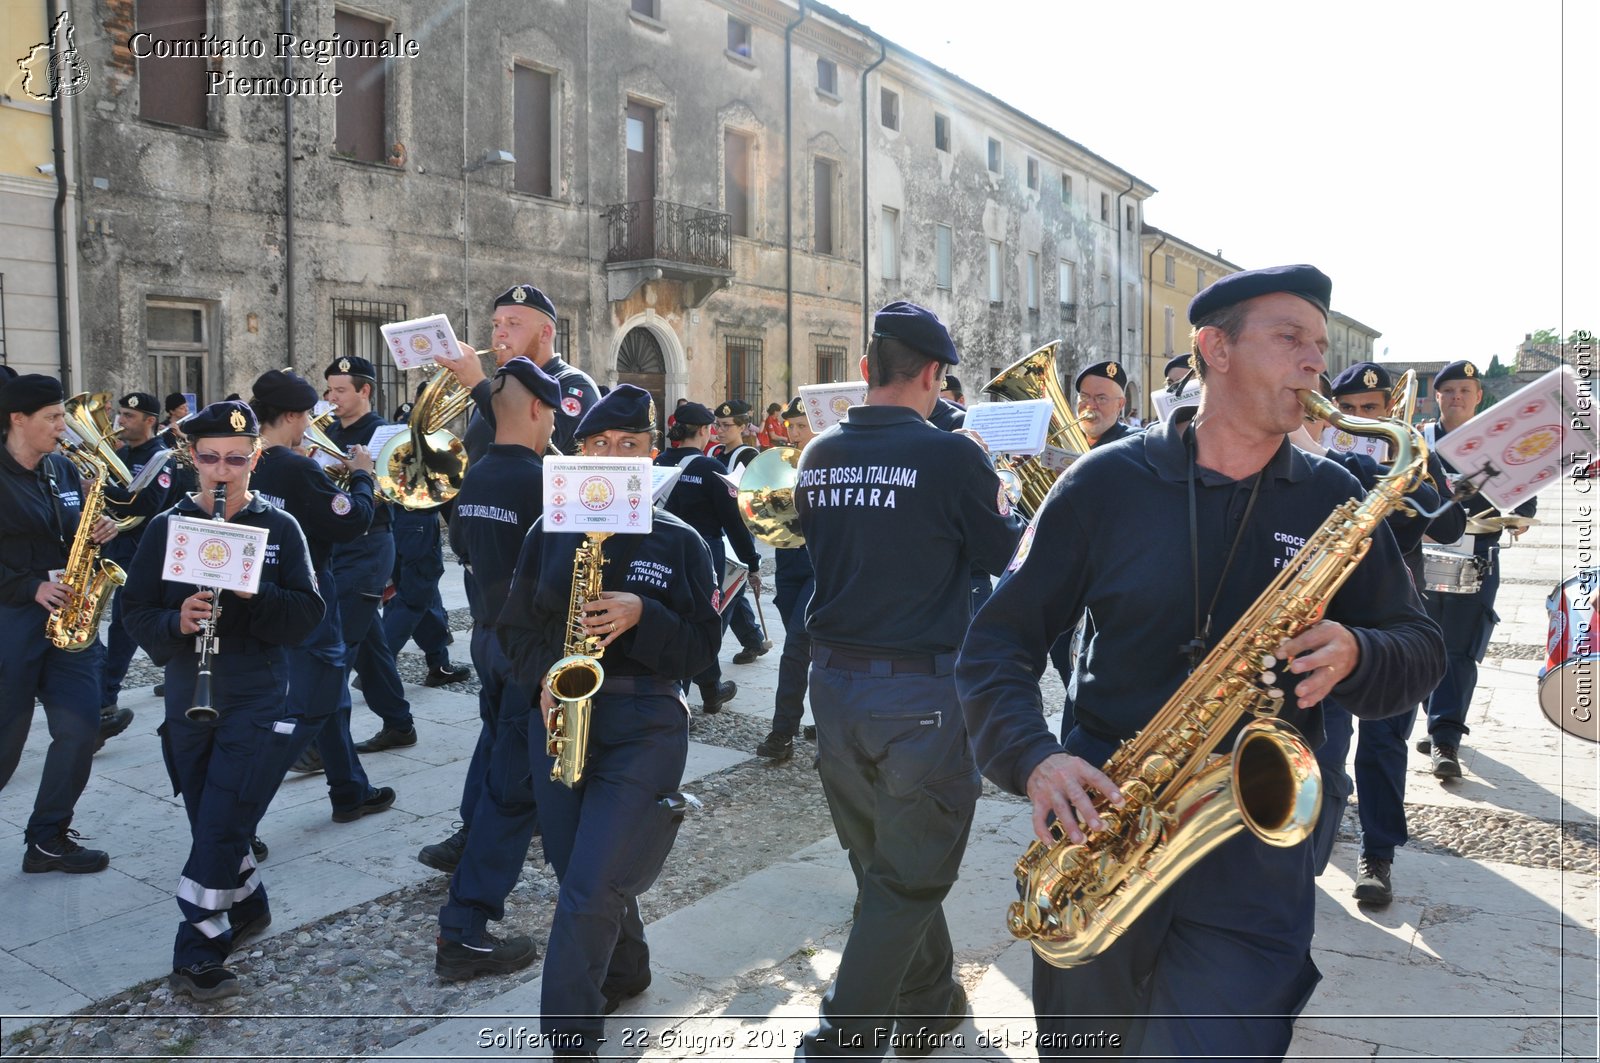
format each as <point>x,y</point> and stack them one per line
<point>519,417</point>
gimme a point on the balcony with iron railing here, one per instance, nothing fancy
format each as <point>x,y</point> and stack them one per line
<point>654,239</point>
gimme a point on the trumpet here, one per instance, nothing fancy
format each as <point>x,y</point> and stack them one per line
<point>316,440</point>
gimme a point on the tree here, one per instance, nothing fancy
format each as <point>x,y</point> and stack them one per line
<point>1545,337</point>
<point>1496,369</point>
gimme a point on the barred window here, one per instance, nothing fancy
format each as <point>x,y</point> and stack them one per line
<point>830,364</point>
<point>564,340</point>
<point>355,334</point>
<point>744,369</point>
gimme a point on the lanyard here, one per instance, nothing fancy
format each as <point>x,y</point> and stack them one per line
<point>1195,648</point>
<point>58,524</point>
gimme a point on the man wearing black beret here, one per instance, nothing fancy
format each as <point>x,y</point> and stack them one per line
<point>41,501</point>
<point>896,514</point>
<point>1252,501</point>
<point>1467,619</point>
<point>136,419</point>
<point>1176,369</point>
<point>735,450</point>
<point>363,567</point>
<point>1101,400</point>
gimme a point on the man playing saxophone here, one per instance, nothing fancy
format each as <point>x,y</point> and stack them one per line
<point>657,622</point>
<point>1219,963</point>
<point>41,498</point>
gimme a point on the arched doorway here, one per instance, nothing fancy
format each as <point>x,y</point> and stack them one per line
<point>641,363</point>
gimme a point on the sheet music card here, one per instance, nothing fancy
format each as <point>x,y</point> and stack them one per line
<point>421,341</point>
<point>826,404</point>
<point>1521,445</point>
<point>214,553</point>
<point>598,495</point>
<point>1011,427</point>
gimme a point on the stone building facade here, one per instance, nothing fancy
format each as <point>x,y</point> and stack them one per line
<point>1175,271</point>
<point>714,192</point>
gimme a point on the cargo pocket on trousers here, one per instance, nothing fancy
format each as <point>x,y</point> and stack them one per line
<point>167,758</point>
<point>658,830</point>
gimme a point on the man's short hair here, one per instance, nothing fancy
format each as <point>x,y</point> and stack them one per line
<point>890,361</point>
<point>1230,320</point>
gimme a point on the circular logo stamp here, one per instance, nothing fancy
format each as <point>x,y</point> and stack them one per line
<point>1532,445</point>
<point>214,553</point>
<point>595,493</point>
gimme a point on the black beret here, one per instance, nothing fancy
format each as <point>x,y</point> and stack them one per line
<point>354,365</point>
<point>536,380</point>
<point>952,383</point>
<point>793,410</point>
<point>693,413</point>
<point>228,418</point>
<point>1359,377</point>
<point>1109,370</point>
<point>1308,282</point>
<point>29,393</point>
<point>284,390</point>
<point>176,399</point>
<point>7,373</point>
<point>1462,370</point>
<point>918,328</point>
<point>1179,361</point>
<point>733,408</point>
<point>402,413</point>
<point>141,401</point>
<point>627,409</point>
<point>527,295</point>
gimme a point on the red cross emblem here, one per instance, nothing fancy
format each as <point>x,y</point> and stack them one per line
<point>559,518</point>
<point>1532,408</point>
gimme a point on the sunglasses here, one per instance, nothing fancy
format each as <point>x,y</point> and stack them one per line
<point>234,461</point>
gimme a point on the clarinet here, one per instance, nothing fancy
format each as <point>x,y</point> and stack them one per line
<point>201,711</point>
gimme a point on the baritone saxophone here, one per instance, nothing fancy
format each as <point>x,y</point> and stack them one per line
<point>1180,801</point>
<point>575,679</point>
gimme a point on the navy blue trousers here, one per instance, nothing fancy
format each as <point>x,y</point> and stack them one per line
<point>417,610</point>
<point>794,667</point>
<point>1467,621</point>
<point>1218,967</point>
<point>362,570</point>
<point>1380,781</point>
<point>901,784</point>
<point>69,686</point>
<point>741,616</point>
<point>317,688</point>
<point>502,816</point>
<point>120,648</point>
<point>607,841</point>
<point>226,772</point>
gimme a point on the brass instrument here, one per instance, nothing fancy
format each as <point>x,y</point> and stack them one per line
<point>423,468</point>
<point>1181,802</point>
<point>766,497</point>
<point>316,438</point>
<point>1403,398</point>
<point>202,711</point>
<point>91,579</point>
<point>1036,376</point>
<point>575,679</point>
<point>86,416</point>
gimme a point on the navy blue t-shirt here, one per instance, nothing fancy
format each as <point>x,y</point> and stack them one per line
<point>327,515</point>
<point>499,500</point>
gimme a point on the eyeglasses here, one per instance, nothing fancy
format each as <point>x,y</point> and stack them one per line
<point>727,424</point>
<point>1100,400</point>
<point>234,461</point>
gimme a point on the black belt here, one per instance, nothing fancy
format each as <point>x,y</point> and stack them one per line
<point>936,664</point>
<point>640,684</point>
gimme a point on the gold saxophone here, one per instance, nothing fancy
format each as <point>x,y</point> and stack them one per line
<point>1180,801</point>
<point>92,580</point>
<point>575,679</point>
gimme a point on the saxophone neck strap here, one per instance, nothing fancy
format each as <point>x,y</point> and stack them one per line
<point>58,522</point>
<point>1195,648</point>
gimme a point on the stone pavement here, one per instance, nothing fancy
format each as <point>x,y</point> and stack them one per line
<point>1484,958</point>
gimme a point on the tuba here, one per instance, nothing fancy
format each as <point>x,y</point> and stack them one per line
<point>575,679</point>
<point>1181,802</point>
<point>92,579</point>
<point>766,497</point>
<point>1036,376</point>
<point>423,468</point>
<point>88,419</point>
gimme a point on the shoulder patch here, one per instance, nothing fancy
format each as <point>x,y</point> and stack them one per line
<point>716,598</point>
<point>575,391</point>
<point>1023,547</point>
<point>1003,501</point>
<point>165,480</point>
<point>341,503</point>
<point>571,406</point>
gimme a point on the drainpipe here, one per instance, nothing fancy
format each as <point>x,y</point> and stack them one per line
<point>866,220</point>
<point>788,196</point>
<point>59,154</point>
<point>1149,324</point>
<point>288,188</point>
<point>1117,220</point>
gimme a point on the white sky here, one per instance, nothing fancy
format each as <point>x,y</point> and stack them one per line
<point>1412,149</point>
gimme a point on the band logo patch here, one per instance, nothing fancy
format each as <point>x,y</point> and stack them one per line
<point>1022,548</point>
<point>571,406</point>
<point>341,504</point>
<point>1003,501</point>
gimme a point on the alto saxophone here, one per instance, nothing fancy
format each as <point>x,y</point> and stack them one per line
<point>575,679</point>
<point>1180,802</point>
<point>91,579</point>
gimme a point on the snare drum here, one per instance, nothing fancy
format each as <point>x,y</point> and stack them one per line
<point>1566,682</point>
<point>1444,571</point>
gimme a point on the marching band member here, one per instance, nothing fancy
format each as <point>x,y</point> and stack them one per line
<point>361,569</point>
<point>608,839</point>
<point>1177,368</point>
<point>794,579</point>
<point>1220,963</point>
<point>499,500</point>
<point>226,769</point>
<point>327,516</point>
<point>707,504</point>
<point>735,449</point>
<point>1101,400</point>
<point>40,502</point>
<point>136,417</point>
<point>896,513</point>
<point>1467,619</point>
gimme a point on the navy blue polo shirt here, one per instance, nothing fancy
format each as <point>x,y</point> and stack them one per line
<point>896,514</point>
<point>359,433</point>
<point>947,416</point>
<point>328,516</point>
<point>39,510</point>
<point>1112,538</point>
<point>679,629</point>
<point>499,500</point>
<point>708,505</point>
<point>578,393</point>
